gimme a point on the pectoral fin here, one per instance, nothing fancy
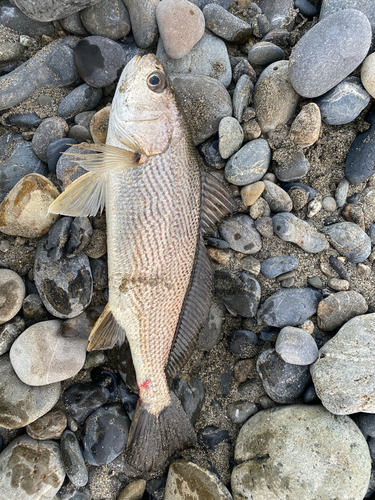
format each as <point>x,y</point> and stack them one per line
<point>106,332</point>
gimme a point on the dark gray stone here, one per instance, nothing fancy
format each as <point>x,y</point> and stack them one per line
<point>289,186</point>
<point>73,24</point>
<point>55,150</point>
<point>67,168</point>
<point>279,14</point>
<point>242,96</point>
<point>296,346</point>
<point>265,226</point>
<point>226,25</point>
<point>12,17</point>
<point>274,266</point>
<point>292,168</point>
<point>69,492</point>
<point>305,8</point>
<point>143,21</point>
<point>240,411</point>
<point>48,131</point>
<point>241,234</point>
<point>9,332</point>
<point>50,10</point>
<point>265,53</point>
<point>360,162</point>
<point>82,98</point>
<point>212,333</point>
<point>190,391</point>
<point>23,120</point>
<point>239,292</point>
<point>243,343</point>
<point>366,422</point>
<point>33,309</point>
<point>81,400</point>
<point>349,240</point>
<point>290,228</point>
<point>108,18</point>
<point>277,199</point>
<point>73,460</point>
<point>338,308</point>
<point>249,164</point>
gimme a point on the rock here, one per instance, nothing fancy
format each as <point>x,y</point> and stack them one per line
<point>226,25</point>
<point>10,51</point>
<point>205,101</point>
<point>239,292</point>
<point>243,67</point>
<point>316,438</point>
<point>97,246</point>
<point>366,422</point>
<point>186,479</point>
<point>73,460</point>
<point>230,136</point>
<point>329,204</point>
<point>99,125</point>
<point>282,381</point>
<point>43,471</point>
<point>349,240</point>
<point>242,369</point>
<point>121,360</point>
<point>12,17</point>
<point>52,66</point>
<point>291,167</point>
<point>55,150</point>
<point>82,98</point>
<point>24,211</point>
<point>274,266</point>
<point>360,164</point>
<point>265,227</point>
<point>344,102</point>
<point>279,15</point>
<point>251,130</point>
<point>10,331</point>
<point>50,426</point>
<point>243,343</point>
<point>33,309</point>
<point>46,10</point>
<point>289,307</point>
<point>73,24</point>
<point>319,61</point>
<point>181,25</point>
<point>249,164</point>
<point>240,411</point>
<point>65,286</point>
<point>298,186</point>
<point>338,308</point>
<point>305,128</point>
<point>251,193</point>
<point>133,491</point>
<point>106,379</point>
<point>48,131</point>
<point>12,293</point>
<point>290,228</point>
<point>143,21</point>
<point>239,231</point>
<point>107,18</point>
<point>190,391</point>
<point>260,209</point>
<point>69,492</point>
<point>23,120</point>
<point>211,333</point>
<point>99,60</point>
<point>211,436</point>
<point>314,207</point>
<point>241,97</point>
<point>79,134</point>
<point>342,374</point>
<point>368,74</point>
<point>342,192</point>
<point>296,346</point>
<point>24,403</point>
<point>82,400</point>
<point>305,8</point>
<point>277,199</point>
<point>337,284</point>
<point>265,53</point>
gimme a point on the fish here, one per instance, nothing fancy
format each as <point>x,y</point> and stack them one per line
<point>159,203</point>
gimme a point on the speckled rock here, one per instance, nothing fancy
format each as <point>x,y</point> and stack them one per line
<point>12,17</point>
<point>241,234</point>
<point>338,308</point>
<point>249,164</point>
<point>73,460</point>
<point>230,136</point>
<point>277,199</point>
<point>48,10</point>
<point>296,346</point>
<point>48,131</point>
<point>349,240</point>
<point>12,293</point>
<point>291,167</point>
<point>49,426</point>
<point>280,14</point>
<point>143,21</point>
<point>290,228</point>
<point>240,292</point>
<point>73,24</point>
<point>241,97</point>
<point>9,332</point>
<point>226,25</point>
<point>342,192</point>
<point>67,168</point>
<point>304,131</point>
<point>274,266</point>
<point>107,18</point>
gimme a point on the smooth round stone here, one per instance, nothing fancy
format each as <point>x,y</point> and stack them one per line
<point>342,192</point>
<point>225,24</point>
<point>292,167</point>
<point>31,469</point>
<point>55,150</point>
<point>264,226</point>
<point>23,120</point>
<point>190,391</point>
<point>249,164</point>
<point>133,491</point>
<point>360,164</point>
<point>296,346</point>
<point>79,134</point>
<point>230,136</point>
<point>12,293</point>
<point>73,24</point>
<point>239,292</point>
<point>82,98</point>
<point>48,131</point>
<point>275,100</point>
<point>9,332</point>
<point>73,460</point>
<point>290,228</point>
<point>303,439</point>
<point>283,382</point>
<point>107,18</point>
<point>47,10</point>
<point>143,21</point>
<point>289,307</point>
<point>50,426</point>
<point>349,240</point>
<point>24,404</point>
<point>329,204</point>
<point>251,193</point>
<point>305,129</point>
<point>242,369</point>
<point>368,74</point>
<point>12,17</point>
<point>342,375</point>
<point>99,125</point>
<point>97,246</point>
<point>265,53</point>
<point>251,130</point>
<point>241,234</point>
<point>211,332</point>
<point>338,308</point>
<point>274,266</point>
<point>277,199</point>
<point>99,60</point>
<point>329,52</point>
<point>24,210</point>
<point>305,8</point>
<point>243,343</point>
<point>240,411</point>
<point>242,96</point>
<point>105,434</point>
<point>291,186</point>
<point>83,399</point>
<point>344,102</point>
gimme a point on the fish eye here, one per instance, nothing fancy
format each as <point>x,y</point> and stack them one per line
<point>157,82</point>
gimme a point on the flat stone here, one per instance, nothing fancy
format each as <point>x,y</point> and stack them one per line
<point>190,391</point>
<point>82,98</point>
<point>240,292</point>
<point>279,15</point>
<point>337,284</point>
<point>133,491</point>
<point>249,164</point>
<point>277,199</point>
<point>12,293</point>
<point>296,346</point>
<point>250,193</point>
<point>342,375</point>
<point>342,192</point>
<point>338,308</point>
<point>48,131</point>
<point>73,460</point>
<point>329,204</point>
<point>320,60</point>
<point>265,53</point>
<point>12,17</point>
<point>274,266</point>
<point>241,234</point>
<point>241,97</point>
<point>230,136</point>
<point>303,439</point>
<point>143,21</point>
<point>290,228</point>
<point>48,10</point>
<point>360,163</point>
<point>49,426</point>
<point>211,332</point>
<point>240,411</point>
<point>349,240</point>
<point>81,400</point>
<point>107,18</point>
<point>226,25</point>
<point>291,166</point>
<point>305,129</point>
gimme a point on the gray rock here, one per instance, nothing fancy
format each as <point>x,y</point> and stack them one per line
<point>49,10</point>
<point>265,53</point>
<point>82,98</point>
<point>226,25</point>
<point>366,422</point>
<point>10,52</point>
<point>48,131</point>
<point>275,100</point>
<point>260,209</point>
<point>274,266</point>
<point>241,234</point>
<point>292,167</point>
<point>230,136</point>
<point>342,192</point>
<point>282,381</point>
<point>205,101</point>
<point>329,52</point>
<point>108,18</point>
<point>190,391</point>
<point>211,333</point>
<point>12,293</point>
<point>329,204</point>
<point>79,134</point>
<point>239,292</point>
<point>243,343</point>
<point>343,103</point>
<point>304,439</point>
<point>70,492</point>
<point>338,308</point>
<point>249,164</point>
<point>73,460</point>
<point>73,24</point>
<point>280,15</point>
<point>12,17</point>
<point>242,96</point>
<point>52,66</point>
<point>289,307</point>
<point>143,21</point>
<point>9,332</point>
<point>23,120</point>
<point>349,240</point>
<point>43,471</point>
<point>360,164</point>
<point>240,411</point>
<point>67,168</point>
<point>55,150</point>
<point>290,228</point>
<point>50,426</point>
<point>24,404</point>
<point>296,346</point>
<point>343,374</point>
<point>264,226</point>
<point>277,199</point>
<point>305,8</point>
<point>243,67</point>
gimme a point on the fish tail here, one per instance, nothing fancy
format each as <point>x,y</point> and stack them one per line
<point>154,439</point>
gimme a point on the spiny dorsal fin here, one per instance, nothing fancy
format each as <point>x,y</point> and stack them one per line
<point>106,332</point>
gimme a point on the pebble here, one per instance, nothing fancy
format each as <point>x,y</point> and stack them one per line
<point>239,292</point>
<point>39,72</point>
<point>99,271</point>
<point>24,403</point>
<point>305,8</point>
<point>57,237</point>
<point>73,24</point>
<point>349,240</point>
<point>291,186</point>
<point>360,164</point>
<point>251,265</point>
<point>305,129</point>
<point>342,192</point>
<point>10,331</point>
<point>106,379</point>
<point>243,343</point>
<point>205,101</point>
<point>275,100</point>
<point>211,332</point>
<point>251,130</point>
<point>108,18</point>
<point>329,204</point>
<point>277,199</point>
<point>260,209</point>
<point>265,53</point>
<point>55,150</point>
<point>279,15</point>
<point>133,491</point>
<point>313,208</point>
<point>242,369</point>
<point>210,437</point>
<point>242,96</point>
<point>12,293</point>
<point>274,266</point>
<point>251,193</point>
<point>289,307</point>
<point>23,120</point>
<point>290,228</point>
<point>121,361</point>
<point>82,399</point>
<point>94,358</point>
<point>65,286</point>
<point>143,21</point>
<point>210,152</point>
<point>73,460</point>
<point>46,10</point>
<point>226,25</point>
<point>12,17</point>
<point>296,346</point>
<point>264,226</point>
<point>283,382</point>
<point>366,423</point>
<point>69,492</point>
<point>230,136</point>
<point>50,426</point>
<point>82,98</point>
<point>249,164</point>
<point>316,438</point>
<point>10,52</point>
<point>315,282</point>
<point>292,167</point>
<point>79,134</point>
<point>342,375</point>
<point>31,469</point>
<point>33,309</point>
<point>99,60</point>
<point>98,124</point>
<point>190,391</point>
<point>319,61</point>
<point>241,234</point>
<point>337,284</point>
<point>186,479</point>
<point>344,102</point>
<point>181,25</point>
<point>24,210</point>
<point>243,67</point>
<point>240,411</point>
<point>338,308</point>
<point>48,131</point>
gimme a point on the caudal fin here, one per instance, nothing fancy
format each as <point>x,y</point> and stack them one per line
<point>153,440</point>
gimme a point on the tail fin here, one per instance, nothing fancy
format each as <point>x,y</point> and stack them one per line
<point>154,439</point>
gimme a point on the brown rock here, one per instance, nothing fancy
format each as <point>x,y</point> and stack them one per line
<point>251,193</point>
<point>242,369</point>
<point>50,426</point>
<point>339,285</point>
<point>251,130</point>
<point>12,293</point>
<point>338,308</point>
<point>97,245</point>
<point>305,129</point>
<point>133,491</point>
<point>99,125</point>
<point>354,213</point>
<point>224,256</point>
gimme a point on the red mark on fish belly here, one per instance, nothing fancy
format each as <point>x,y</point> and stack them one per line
<point>143,388</point>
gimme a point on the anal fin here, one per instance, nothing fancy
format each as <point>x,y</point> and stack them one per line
<point>106,332</point>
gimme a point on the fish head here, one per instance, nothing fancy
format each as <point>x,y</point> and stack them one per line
<point>144,111</point>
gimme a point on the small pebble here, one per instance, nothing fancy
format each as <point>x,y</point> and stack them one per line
<point>240,411</point>
<point>264,226</point>
<point>276,266</point>
<point>48,131</point>
<point>133,491</point>
<point>242,369</point>
<point>296,346</point>
<point>338,308</point>
<point>239,292</point>
<point>349,240</point>
<point>368,74</point>
<point>50,426</point>
<point>242,96</point>
<point>241,234</point>
<point>82,98</point>
<point>251,130</point>
<point>10,331</point>
<point>226,25</point>
<point>98,125</point>
<point>143,21</point>
<point>251,193</point>
<point>23,120</point>
<point>305,129</point>
<point>55,150</point>
<point>290,228</point>
<point>315,282</point>
<point>82,399</point>
<point>73,460</point>
<point>329,204</point>
<point>260,209</point>
<point>292,167</point>
<point>251,265</point>
<point>314,207</point>
<point>190,391</point>
<point>249,164</point>
<point>265,53</point>
<point>243,343</point>
<point>12,293</point>
<point>243,67</point>
<point>33,309</point>
<point>230,137</point>
<point>108,18</point>
<point>337,284</point>
<point>277,199</point>
<point>360,165</point>
<point>211,332</point>
<point>73,24</point>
